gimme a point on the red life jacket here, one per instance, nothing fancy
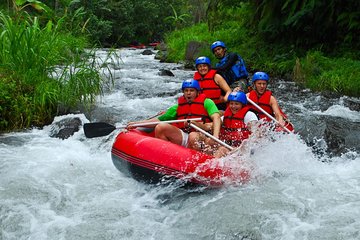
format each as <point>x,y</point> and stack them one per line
<point>264,103</point>
<point>234,130</point>
<point>194,109</point>
<point>209,86</point>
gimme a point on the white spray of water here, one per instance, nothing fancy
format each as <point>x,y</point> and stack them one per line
<point>69,189</point>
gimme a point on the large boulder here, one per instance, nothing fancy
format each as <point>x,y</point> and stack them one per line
<point>161,47</point>
<point>161,55</point>
<point>65,127</point>
<point>166,72</point>
<point>147,52</point>
<point>193,51</point>
<point>352,103</point>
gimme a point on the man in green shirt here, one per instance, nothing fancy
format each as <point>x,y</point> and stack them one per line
<point>192,104</point>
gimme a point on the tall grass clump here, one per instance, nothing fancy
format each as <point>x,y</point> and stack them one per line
<point>321,73</point>
<point>30,54</point>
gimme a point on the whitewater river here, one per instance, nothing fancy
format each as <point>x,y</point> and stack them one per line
<point>304,186</point>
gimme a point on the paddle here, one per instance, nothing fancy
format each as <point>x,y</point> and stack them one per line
<point>267,114</point>
<point>211,136</point>
<point>99,129</point>
<point>225,144</point>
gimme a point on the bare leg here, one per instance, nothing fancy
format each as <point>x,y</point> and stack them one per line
<point>169,133</point>
<point>199,142</point>
<point>194,141</point>
<point>221,152</point>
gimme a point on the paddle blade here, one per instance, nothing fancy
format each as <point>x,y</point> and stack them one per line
<point>97,129</point>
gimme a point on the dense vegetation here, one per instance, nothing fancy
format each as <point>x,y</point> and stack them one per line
<point>313,42</point>
<point>46,70</point>
<point>116,23</point>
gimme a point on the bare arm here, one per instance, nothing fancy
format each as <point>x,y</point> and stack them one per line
<point>204,126</point>
<point>223,85</point>
<point>216,124</point>
<point>276,109</point>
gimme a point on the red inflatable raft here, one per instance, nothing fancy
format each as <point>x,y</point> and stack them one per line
<point>150,159</point>
<point>141,46</point>
<point>154,44</point>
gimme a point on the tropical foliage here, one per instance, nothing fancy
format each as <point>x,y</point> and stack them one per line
<point>305,24</point>
<point>45,70</point>
<point>177,20</point>
<point>117,23</point>
<point>281,37</point>
<point>309,23</point>
<point>42,72</point>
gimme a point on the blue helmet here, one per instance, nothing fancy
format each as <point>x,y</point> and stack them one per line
<point>238,97</point>
<point>190,83</point>
<point>202,60</point>
<point>260,76</point>
<point>217,44</point>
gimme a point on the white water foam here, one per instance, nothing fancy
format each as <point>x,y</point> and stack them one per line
<point>340,111</point>
<point>69,189</point>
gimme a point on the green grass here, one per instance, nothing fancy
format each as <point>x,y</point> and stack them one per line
<point>309,68</point>
<point>29,55</point>
<point>338,75</point>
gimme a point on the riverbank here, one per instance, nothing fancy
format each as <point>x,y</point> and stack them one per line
<point>310,68</point>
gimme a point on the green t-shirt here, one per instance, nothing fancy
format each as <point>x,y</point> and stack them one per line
<point>170,114</point>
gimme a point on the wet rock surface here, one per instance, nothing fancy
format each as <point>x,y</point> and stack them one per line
<point>333,134</point>
<point>65,128</point>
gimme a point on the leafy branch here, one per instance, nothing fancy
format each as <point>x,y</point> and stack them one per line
<point>176,20</point>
